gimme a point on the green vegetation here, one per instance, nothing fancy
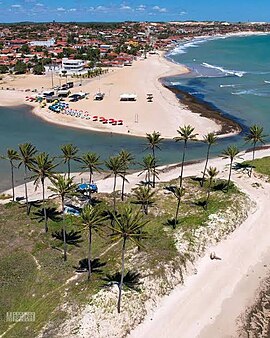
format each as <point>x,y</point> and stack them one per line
<point>260,165</point>
<point>153,230</point>
<point>34,276</point>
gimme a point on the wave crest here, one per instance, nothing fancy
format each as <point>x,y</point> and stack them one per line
<point>225,71</point>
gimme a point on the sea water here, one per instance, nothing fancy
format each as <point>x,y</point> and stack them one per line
<point>232,74</point>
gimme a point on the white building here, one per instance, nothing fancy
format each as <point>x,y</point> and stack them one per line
<point>73,66</point>
<point>48,43</point>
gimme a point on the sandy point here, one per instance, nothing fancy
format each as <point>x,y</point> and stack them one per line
<point>164,114</point>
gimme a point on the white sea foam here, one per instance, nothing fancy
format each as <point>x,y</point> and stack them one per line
<point>181,49</point>
<point>265,81</point>
<point>228,85</point>
<point>225,71</point>
<point>250,92</point>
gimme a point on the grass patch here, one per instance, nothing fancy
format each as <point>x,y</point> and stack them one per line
<point>260,165</point>
<point>33,276</point>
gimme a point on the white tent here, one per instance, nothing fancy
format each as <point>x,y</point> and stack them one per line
<point>128,97</point>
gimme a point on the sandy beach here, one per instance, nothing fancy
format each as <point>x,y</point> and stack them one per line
<point>165,114</point>
<point>210,302</point>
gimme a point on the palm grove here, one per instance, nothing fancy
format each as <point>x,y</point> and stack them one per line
<point>121,221</point>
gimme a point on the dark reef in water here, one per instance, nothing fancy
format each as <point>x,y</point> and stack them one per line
<point>206,109</point>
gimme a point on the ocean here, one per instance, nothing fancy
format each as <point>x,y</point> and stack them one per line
<point>232,74</point>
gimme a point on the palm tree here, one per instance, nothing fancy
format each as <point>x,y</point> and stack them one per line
<point>154,140</point>
<point>27,153</point>
<point>90,162</point>
<point>128,226</point>
<point>212,172</point>
<point>69,153</point>
<point>116,165</point>
<point>127,159</point>
<point>93,219</point>
<point>231,152</point>
<point>148,165</point>
<point>12,155</point>
<point>42,167</point>
<point>144,196</point>
<point>63,187</point>
<point>210,139</point>
<point>185,135</point>
<point>254,136</point>
<point>178,194</point>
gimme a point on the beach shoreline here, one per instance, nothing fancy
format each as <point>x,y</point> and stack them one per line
<point>138,117</point>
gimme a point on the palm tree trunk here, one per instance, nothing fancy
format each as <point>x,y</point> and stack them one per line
<point>122,276</point>
<point>25,189</point>
<point>44,208</point>
<point>64,230</point>
<point>253,158</point>
<point>177,212</point>
<point>89,253</point>
<point>68,164</point>
<point>205,167</point>
<point>154,171</point>
<point>90,176</point>
<point>182,166</point>
<point>208,193</point>
<point>12,181</point>
<point>114,197</point>
<point>123,188</point>
<point>229,179</point>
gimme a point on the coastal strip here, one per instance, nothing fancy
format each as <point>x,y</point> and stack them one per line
<point>206,109</point>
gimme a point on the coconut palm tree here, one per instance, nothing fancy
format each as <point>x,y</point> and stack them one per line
<point>186,134</point>
<point>144,197</point>
<point>27,153</point>
<point>42,167</point>
<point>210,139</point>
<point>92,218</point>
<point>231,153</point>
<point>154,140</point>
<point>211,173</point>
<point>69,153</point>
<point>91,162</point>
<point>63,187</point>
<point>116,165</point>
<point>12,155</point>
<point>127,159</point>
<point>255,135</point>
<point>148,165</point>
<point>128,226</point>
<point>178,194</point>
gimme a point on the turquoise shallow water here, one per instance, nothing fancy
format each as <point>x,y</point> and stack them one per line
<point>231,73</point>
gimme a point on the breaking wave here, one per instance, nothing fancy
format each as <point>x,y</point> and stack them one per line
<point>224,71</point>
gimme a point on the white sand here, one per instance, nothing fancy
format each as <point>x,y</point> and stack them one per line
<point>165,114</point>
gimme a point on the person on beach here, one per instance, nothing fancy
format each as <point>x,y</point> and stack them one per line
<point>213,256</point>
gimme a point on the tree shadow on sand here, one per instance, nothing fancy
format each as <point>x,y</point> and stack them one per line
<point>131,280</point>
<point>96,265</point>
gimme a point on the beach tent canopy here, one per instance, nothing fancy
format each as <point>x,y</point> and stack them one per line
<point>128,97</point>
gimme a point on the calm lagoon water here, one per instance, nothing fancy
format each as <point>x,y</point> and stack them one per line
<point>232,73</point>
